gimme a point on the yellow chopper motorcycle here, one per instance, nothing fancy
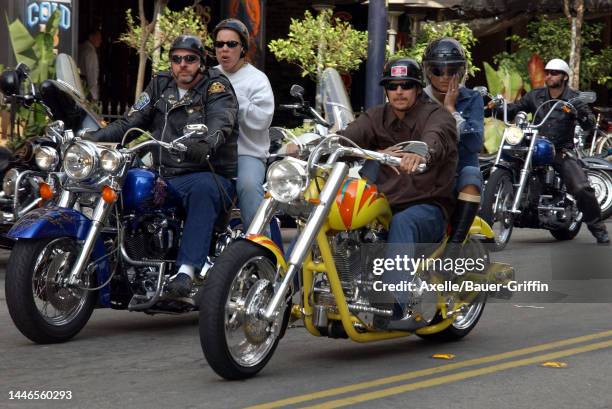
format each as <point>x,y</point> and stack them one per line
<point>246,301</point>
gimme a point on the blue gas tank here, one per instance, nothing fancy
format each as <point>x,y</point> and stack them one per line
<point>543,152</point>
<point>141,193</point>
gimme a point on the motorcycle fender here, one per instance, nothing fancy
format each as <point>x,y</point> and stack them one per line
<point>510,169</point>
<point>597,164</point>
<point>52,221</point>
<point>47,222</point>
<point>267,243</point>
<point>482,228</point>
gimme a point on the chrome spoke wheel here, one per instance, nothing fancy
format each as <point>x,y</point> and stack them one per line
<point>469,314</point>
<point>601,182</point>
<point>57,303</point>
<point>502,219</point>
<point>249,338</point>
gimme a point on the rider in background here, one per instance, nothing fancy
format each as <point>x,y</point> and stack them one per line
<point>559,129</point>
<point>445,68</point>
<point>189,94</point>
<point>256,108</point>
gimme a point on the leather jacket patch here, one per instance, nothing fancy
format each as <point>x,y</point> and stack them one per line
<point>215,88</point>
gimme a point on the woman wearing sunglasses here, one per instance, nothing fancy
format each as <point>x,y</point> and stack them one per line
<point>445,69</point>
<point>256,108</point>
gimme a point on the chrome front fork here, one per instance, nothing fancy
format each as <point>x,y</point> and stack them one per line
<point>525,171</point>
<point>306,237</point>
<point>99,216</point>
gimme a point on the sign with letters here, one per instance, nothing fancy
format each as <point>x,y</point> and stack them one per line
<point>39,12</point>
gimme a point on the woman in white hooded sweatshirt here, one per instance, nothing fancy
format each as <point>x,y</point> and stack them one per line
<point>255,111</point>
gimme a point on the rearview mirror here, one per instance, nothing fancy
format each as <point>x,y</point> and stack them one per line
<point>482,90</point>
<point>587,97</point>
<point>297,91</point>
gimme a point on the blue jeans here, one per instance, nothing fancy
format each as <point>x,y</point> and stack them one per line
<point>203,202</point>
<point>249,185</point>
<point>468,170</point>
<point>422,223</point>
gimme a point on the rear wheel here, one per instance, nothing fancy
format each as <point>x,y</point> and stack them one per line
<point>496,202</point>
<point>43,307</point>
<point>236,342</point>
<point>601,182</point>
<point>470,313</point>
<point>568,233</point>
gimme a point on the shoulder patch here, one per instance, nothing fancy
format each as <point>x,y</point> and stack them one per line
<point>142,101</point>
<point>216,87</point>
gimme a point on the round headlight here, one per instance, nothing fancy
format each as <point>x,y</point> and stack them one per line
<point>513,135</point>
<point>80,160</point>
<point>286,180</point>
<point>8,183</point>
<point>46,157</point>
<point>110,160</point>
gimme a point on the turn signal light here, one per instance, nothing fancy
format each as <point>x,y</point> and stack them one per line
<point>108,194</point>
<point>45,191</point>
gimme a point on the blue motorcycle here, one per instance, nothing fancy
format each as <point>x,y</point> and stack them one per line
<point>523,189</point>
<point>110,241</point>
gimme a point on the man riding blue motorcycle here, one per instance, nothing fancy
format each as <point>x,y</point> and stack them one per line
<point>559,128</point>
<point>189,94</point>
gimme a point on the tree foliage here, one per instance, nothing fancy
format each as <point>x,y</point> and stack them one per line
<point>171,24</point>
<point>433,31</point>
<point>550,38</point>
<point>316,43</point>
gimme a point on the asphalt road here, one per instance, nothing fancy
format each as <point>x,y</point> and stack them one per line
<point>124,359</point>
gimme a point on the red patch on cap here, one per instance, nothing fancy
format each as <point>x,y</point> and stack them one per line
<point>399,71</point>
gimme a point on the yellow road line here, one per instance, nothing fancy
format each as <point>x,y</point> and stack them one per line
<point>429,371</point>
<point>458,376</point>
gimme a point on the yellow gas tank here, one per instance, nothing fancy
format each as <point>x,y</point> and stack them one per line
<point>357,204</point>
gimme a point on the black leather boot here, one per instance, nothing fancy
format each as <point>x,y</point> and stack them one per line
<point>463,216</point>
<point>600,232</point>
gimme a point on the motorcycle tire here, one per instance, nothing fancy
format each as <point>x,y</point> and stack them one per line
<point>498,194</point>
<point>566,234</point>
<point>30,292</point>
<point>604,145</point>
<point>465,322</point>
<point>601,181</point>
<point>235,345</point>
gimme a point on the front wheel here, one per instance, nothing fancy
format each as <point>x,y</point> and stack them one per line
<point>601,182</point>
<point>496,202</point>
<point>41,305</point>
<point>236,342</point>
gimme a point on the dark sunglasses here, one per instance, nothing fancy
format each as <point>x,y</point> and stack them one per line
<point>189,58</point>
<point>554,73</point>
<point>392,86</point>
<point>438,72</point>
<point>230,44</point>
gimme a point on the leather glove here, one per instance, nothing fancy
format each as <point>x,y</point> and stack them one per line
<point>196,151</point>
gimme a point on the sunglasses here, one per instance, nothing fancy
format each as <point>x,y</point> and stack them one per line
<point>230,44</point>
<point>392,86</point>
<point>554,73</point>
<point>439,72</point>
<point>189,58</point>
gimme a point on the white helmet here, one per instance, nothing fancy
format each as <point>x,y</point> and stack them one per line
<point>558,64</point>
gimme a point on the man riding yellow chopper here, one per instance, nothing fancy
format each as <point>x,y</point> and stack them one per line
<point>344,224</point>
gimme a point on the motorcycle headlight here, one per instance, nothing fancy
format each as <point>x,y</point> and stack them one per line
<point>80,160</point>
<point>110,160</point>
<point>46,157</point>
<point>286,180</point>
<point>513,135</point>
<point>9,181</point>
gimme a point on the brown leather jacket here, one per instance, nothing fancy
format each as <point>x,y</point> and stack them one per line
<point>379,128</point>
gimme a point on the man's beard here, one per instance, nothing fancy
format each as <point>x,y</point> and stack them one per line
<point>185,80</point>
